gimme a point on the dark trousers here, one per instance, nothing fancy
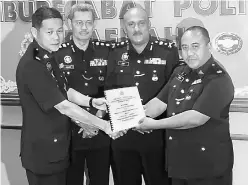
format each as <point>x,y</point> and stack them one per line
<point>97,164</point>
<point>132,164</point>
<point>225,179</point>
<point>114,168</point>
<point>40,179</point>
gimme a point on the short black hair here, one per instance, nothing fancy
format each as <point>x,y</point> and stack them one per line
<point>44,13</point>
<point>202,30</point>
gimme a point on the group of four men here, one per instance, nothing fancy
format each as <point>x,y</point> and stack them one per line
<point>59,82</point>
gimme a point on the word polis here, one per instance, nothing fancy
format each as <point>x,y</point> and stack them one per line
<point>11,11</point>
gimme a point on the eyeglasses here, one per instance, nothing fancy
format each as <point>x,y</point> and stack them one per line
<point>87,24</point>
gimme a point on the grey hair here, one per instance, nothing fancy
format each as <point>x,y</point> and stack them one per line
<point>81,7</point>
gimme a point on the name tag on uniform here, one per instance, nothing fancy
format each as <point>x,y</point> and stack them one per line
<point>98,62</point>
<point>155,61</point>
<point>196,82</point>
<point>123,63</point>
<point>68,67</point>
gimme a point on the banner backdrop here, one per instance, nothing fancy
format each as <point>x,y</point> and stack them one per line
<point>226,21</point>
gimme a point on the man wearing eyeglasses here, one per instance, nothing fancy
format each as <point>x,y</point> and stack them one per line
<point>84,62</point>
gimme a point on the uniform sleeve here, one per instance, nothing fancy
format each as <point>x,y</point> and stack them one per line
<point>173,61</point>
<point>164,93</point>
<point>215,98</point>
<point>42,86</point>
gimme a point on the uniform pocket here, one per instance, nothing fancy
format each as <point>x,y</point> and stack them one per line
<point>52,149</point>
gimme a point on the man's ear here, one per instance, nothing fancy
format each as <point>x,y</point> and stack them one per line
<point>34,32</point>
<point>210,47</point>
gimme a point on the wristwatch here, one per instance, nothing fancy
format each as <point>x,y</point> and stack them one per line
<point>90,103</point>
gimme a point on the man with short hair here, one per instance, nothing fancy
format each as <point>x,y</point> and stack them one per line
<point>197,99</point>
<point>43,91</point>
<point>147,63</point>
<point>84,62</point>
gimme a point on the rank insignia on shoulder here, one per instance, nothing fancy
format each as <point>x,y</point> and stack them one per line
<point>67,59</point>
<point>123,63</point>
<point>124,56</point>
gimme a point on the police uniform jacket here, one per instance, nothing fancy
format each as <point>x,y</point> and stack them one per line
<point>85,71</point>
<point>45,136</point>
<point>204,151</point>
<point>149,71</point>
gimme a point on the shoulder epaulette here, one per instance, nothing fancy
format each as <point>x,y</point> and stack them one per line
<point>120,44</point>
<point>166,44</point>
<point>102,43</point>
<point>66,45</point>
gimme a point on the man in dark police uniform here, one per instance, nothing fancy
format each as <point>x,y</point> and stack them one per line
<point>43,91</point>
<point>197,98</point>
<point>84,62</point>
<point>147,63</point>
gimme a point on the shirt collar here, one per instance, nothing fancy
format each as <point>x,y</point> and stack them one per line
<point>147,49</point>
<point>40,52</point>
<point>89,48</point>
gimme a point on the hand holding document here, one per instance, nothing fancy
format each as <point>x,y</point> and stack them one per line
<point>125,108</point>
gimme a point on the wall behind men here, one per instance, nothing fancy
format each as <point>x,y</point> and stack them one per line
<point>225,20</point>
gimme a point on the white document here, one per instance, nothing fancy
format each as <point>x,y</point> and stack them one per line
<point>125,107</point>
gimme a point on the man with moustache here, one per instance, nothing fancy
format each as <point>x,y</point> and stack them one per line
<point>147,63</point>
<point>197,99</point>
<point>84,62</point>
<point>43,91</point>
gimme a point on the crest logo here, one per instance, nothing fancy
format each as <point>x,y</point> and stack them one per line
<point>227,43</point>
<point>124,57</point>
<point>67,59</point>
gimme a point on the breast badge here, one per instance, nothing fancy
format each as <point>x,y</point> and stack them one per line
<point>124,56</point>
<point>67,59</point>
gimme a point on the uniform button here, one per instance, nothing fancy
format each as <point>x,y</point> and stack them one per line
<point>187,80</point>
<point>139,61</point>
<point>55,140</point>
<point>87,108</point>
<point>86,84</point>
<point>182,91</point>
<point>213,64</point>
<point>177,102</point>
<point>191,90</point>
<point>170,138</point>
<point>173,113</point>
<point>137,83</point>
<point>154,71</point>
<point>203,148</point>
<point>68,73</point>
<point>121,71</point>
<point>85,71</point>
<point>137,72</point>
<point>174,86</point>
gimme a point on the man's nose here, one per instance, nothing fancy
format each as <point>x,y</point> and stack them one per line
<point>190,53</point>
<point>136,27</point>
<point>83,26</point>
<point>56,35</point>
